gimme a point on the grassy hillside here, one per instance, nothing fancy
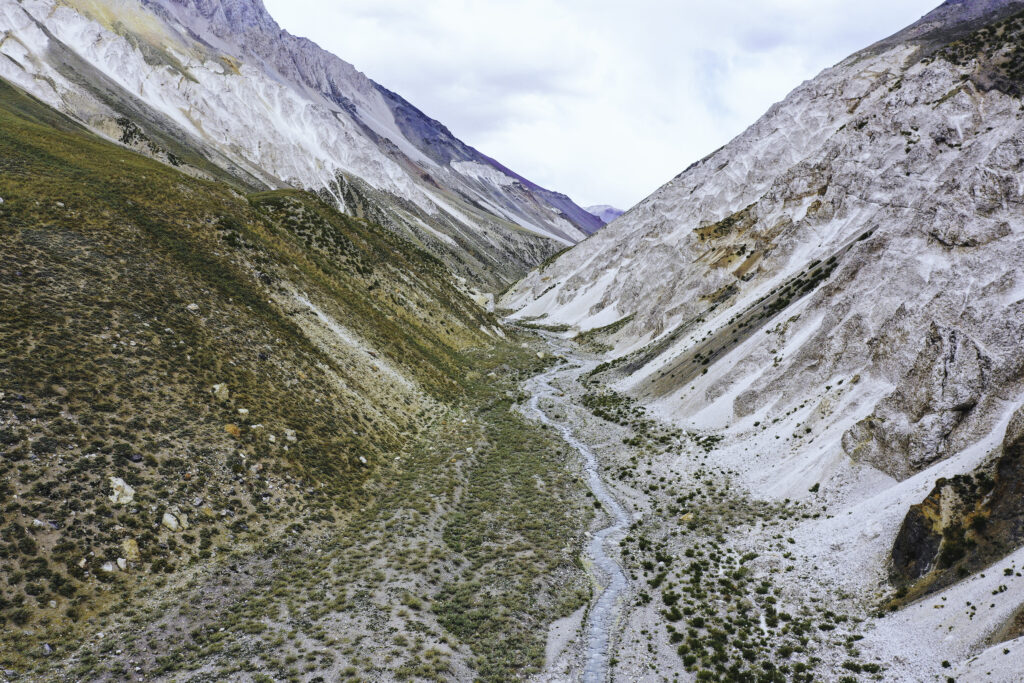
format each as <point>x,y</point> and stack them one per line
<point>196,383</point>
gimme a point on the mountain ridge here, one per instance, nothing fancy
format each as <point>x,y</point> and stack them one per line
<point>221,81</point>
<point>836,295</point>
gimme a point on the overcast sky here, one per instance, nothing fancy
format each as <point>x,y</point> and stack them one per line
<point>603,100</point>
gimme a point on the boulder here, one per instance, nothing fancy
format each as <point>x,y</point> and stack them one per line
<point>170,522</point>
<point>174,520</point>
<point>122,492</point>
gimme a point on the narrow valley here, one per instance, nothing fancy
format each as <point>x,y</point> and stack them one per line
<point>296,385</point>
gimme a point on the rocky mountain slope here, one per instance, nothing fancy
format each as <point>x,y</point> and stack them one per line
<point>837,296</point>
<point>241,436</point>
<point>218,89</point>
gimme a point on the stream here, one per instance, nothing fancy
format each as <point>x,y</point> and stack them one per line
<point>606,609</point>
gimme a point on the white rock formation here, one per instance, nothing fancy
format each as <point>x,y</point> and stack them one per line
<point>839,293</point>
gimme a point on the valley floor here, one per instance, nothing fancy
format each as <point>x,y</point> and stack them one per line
<point>449,568</point>
<point>719,587</point>
<point>473,558</point>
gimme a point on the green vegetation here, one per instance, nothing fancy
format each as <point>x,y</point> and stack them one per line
<point>593,340</point>
<point>994,52</point>
<point>721,607</point>
<point>308,479</point>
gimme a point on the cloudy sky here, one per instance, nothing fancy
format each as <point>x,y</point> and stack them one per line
<point>603,100</point>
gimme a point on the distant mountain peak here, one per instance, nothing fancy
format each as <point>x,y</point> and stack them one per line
<point>606,212</point>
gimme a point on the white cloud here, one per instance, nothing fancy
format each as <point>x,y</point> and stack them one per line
<point>602,100</point>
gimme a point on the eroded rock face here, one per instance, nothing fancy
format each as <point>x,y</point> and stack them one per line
<point>966,522</point>
<point>915,425</point>
<point>916,546</point>
<point>1006,510</point>
<point>903,186</point>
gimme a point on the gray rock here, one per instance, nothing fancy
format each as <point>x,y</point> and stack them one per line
<point>917,423</point>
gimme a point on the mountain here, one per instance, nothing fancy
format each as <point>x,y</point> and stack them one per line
<point>837,295</point>
<point>605,212</point>
<point>234,425</point>
<point>217,89</point>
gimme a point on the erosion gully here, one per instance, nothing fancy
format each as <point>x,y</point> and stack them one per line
<point>609,574</point>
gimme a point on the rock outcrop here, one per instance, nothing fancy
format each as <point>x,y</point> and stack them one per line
<point>965,523</point>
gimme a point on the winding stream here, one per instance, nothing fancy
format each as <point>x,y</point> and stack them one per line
<point>604,612</point>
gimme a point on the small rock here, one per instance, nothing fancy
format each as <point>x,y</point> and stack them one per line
<point>108,567</point>
<point>541,355</point>
<point>170,522</point>
<point>197,501</point>
<point>243,411</point>
<point>289,434</point>
<point>36,522</point>
<point>363,460</point>
<point>271,438</point>
<point>220,392</point>
<point>82,563</point>
<point>47,650</point>
<point>122,563</point>
<point>135,457</point>
<point>123,493</point>
<point>193,308</point>
<point>52,604</point>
